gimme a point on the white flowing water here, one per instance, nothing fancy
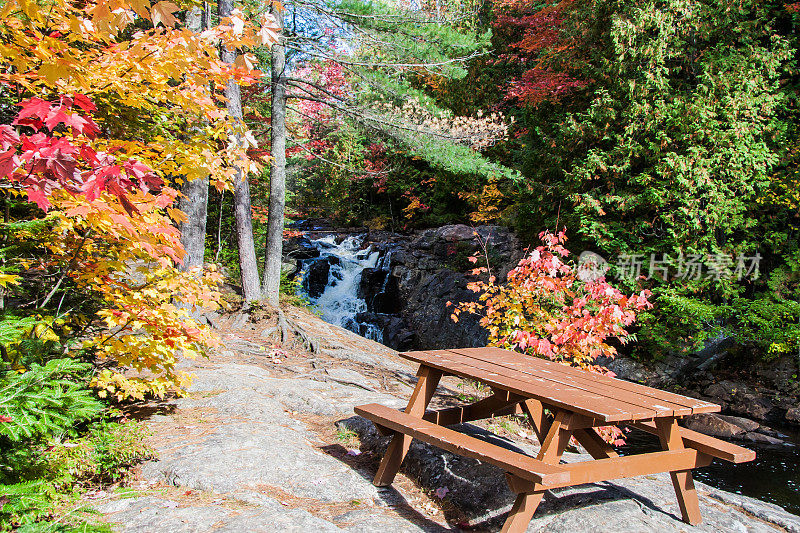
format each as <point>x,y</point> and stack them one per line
<point>339,302</point>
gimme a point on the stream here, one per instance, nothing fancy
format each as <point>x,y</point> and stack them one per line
<point>332,283</point>
<point>772,477</point>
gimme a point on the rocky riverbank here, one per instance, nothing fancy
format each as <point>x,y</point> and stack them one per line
<point>406,297</point>
<point>407,292</point>
<point>267,442</point>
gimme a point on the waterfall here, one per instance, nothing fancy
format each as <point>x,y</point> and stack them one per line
<point>331,282</point>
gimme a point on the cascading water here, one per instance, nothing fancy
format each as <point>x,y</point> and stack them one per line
<point>338,299</point>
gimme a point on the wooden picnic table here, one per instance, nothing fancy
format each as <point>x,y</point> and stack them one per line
<point>576,400</point>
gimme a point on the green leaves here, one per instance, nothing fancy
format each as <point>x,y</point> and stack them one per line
<point>44,400</point>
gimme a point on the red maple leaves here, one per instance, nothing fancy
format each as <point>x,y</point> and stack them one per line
<point>542,43</point>
<point>48,159</point>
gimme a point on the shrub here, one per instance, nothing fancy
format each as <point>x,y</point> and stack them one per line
<point>552,308</point>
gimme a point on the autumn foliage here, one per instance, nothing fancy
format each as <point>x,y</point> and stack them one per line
<point>552,308</point>
<point>115,108</point>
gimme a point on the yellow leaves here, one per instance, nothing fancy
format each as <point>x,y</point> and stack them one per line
<point>161,13</point>
<point>270,31</point>
<point>8,279</point>
<point>51,72</point>
<point>172,79</point>
<point>31,9</point>
<point>177,215</point>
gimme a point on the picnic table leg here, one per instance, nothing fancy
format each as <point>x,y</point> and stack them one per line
<point>398,448</point>
<point>669,433</point>
<point>552,449</point>
<point>594,444</point>
<point>535,411</point>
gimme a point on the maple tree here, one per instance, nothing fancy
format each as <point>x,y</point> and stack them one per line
<point>118,106</point>
<point>552,308</point>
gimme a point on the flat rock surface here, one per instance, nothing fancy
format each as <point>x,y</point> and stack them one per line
<point>266,446</point>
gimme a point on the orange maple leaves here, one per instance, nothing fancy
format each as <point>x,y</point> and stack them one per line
<point>111,117</point>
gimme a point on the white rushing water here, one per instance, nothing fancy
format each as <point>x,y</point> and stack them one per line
<point>339,302</point>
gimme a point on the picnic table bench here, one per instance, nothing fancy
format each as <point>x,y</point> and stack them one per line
<point>577,401</point>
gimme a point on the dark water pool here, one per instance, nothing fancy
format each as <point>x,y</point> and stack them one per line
<point>773,477</point>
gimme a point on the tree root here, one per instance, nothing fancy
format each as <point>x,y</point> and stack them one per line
<point>283,325</point>
<point>288,326</point>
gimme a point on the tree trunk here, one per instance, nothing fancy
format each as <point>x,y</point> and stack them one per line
<point>251,287</point>
<point>194,203</point>
<point>277,184</point>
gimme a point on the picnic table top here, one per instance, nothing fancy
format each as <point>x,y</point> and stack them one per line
<point>587,393</point>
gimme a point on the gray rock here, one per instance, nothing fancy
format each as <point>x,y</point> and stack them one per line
<point>752,405</point>
<point>719,391</point>
<point>153,515</point>
<point>761,438</point>
<point>744,423</point>
<point>714,425</point>
<point>248,444</point>
<point>351,377</point>
<point>793,415</point>
<point>455,232</point>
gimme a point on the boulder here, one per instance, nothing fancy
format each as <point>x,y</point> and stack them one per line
<point>722,391</point>
<point>455,233</point>
<point>793,415</point>
<point>761,438</point>
<point>299,248</point>
<point>714,425</point>
<point>744,423</point>
<point>316,279</point>
<point>752,406</point>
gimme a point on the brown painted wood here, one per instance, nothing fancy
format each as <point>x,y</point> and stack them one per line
<point>708,445</point>
<point>557,439</point>
<point>519,464</point>
<point>584,381</point>
<point>522,511</point>
<point>498,404</point>
<point>670,434</point>
<point>398,448</point>
<point>538,418</point>
<point>527,502</point>
<point>594,444</point>
<point>582,422</point>
<point>621,467</point>
<point>548,392</point>
<point>659,399</point>
<point>579,401</point>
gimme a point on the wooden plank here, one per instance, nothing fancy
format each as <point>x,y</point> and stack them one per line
<point>705,444</point>
<point>522,511</point>
<point>621,467</point>
<point>398,448</point>
<point>594,444</point>
<point>549,392</point>
<point>494,405</point>
<point>526,502</point>
<point>447,439</point>
<point>575,377</point>
<point>536,415</point>
<point>665,403</point>
<point>669,434</point>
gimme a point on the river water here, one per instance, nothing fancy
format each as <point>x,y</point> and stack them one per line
<point>773,477</point>
<point>340,300</point>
